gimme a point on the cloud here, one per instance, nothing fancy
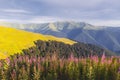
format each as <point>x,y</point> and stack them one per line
<point>33,19</point>
<point>113,23</point>
<point>82,9</point>
<point>37,11</point>
<point>42,19</point>
<point>72,2</point>
<point>81,4</point>
<point>14,11</point>
<point>48,19</point>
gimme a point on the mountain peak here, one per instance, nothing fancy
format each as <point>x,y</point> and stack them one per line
<point>52,27</point>
<point>69,25</point>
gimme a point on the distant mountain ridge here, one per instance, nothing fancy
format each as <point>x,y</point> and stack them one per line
<point>107,37</point>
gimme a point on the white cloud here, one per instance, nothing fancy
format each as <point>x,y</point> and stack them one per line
<point>98,12</point>
<point>47,19</point>
<point>73,2</point>
<point>14,11</point>
<point>33,19</point>
<point>43,19</point>
<point>113,23</point>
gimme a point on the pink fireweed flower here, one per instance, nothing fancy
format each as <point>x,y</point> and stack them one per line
<point>71,58</point>
<point>61,63</point>
<point>103,58</point>
<point>26,57</point>
<point>110,60</point>
<point>94,58</point>
<point>13,74</point>
<point>39,59</point>
<point>31,50</point>
<point>7,60</point>
<point>15,61</point>
<point>12,65</point>
<point>20,59</point>
<point>76,60</point>
<point>82,60</point>
<point>43,59</point>
<point>54,58</point>
<point>34,60</point>
<point>30,61</point>
<point>38,66</point>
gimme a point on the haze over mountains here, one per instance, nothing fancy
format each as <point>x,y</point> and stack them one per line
<point>107,37</point>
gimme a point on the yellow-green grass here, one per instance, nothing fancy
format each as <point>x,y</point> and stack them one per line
<point>14,41</point>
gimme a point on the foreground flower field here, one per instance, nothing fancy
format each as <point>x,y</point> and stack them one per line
<point>31,67</point>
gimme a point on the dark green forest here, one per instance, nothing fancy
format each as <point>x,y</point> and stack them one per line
<point>44,48</point>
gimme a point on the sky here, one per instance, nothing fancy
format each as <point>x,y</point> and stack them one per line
<point>98,12</point>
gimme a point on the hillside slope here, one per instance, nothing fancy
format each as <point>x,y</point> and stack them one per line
<point>106,37</point>
<point>14,41</point>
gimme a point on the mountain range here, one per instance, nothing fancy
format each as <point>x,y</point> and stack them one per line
<point>103,36</point>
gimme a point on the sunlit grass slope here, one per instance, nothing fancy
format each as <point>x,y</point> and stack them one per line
<point>13,41</point>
